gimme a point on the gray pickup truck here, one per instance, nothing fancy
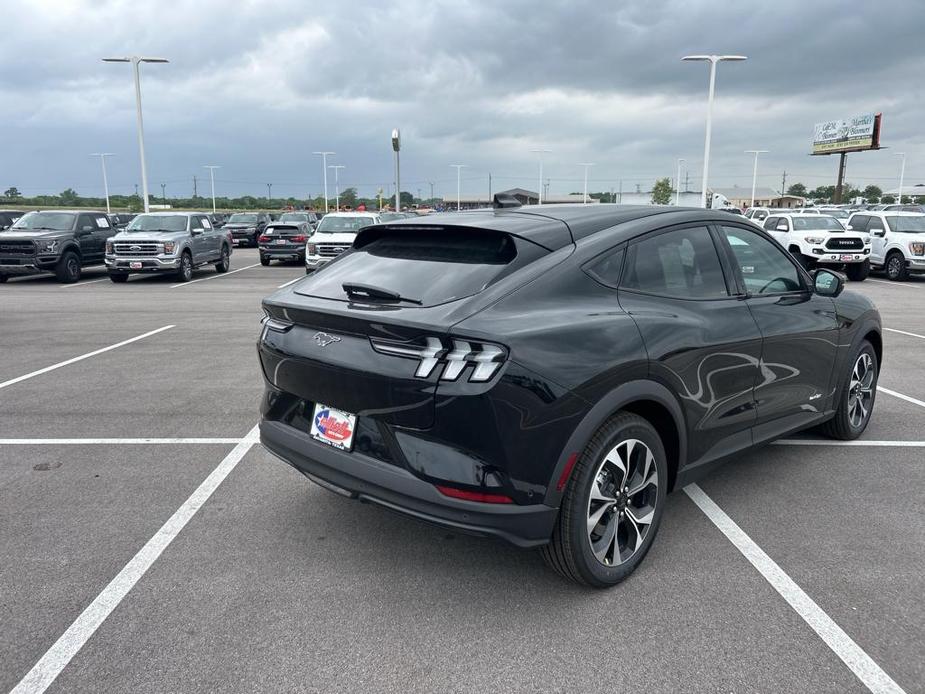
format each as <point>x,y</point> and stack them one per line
<point>174,242</point>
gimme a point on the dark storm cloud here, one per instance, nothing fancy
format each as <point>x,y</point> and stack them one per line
<point>258,86</point>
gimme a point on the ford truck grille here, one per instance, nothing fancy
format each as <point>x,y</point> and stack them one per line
<point>332,250</point>
<point>136,249</point>
<point>17,248</point>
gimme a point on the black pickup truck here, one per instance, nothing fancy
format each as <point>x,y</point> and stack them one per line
<point>56,241</point>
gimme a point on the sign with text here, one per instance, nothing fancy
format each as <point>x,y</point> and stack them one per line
<point>851,135</point>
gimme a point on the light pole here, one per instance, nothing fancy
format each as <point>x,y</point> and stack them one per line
<point>269,192</point>
<point>164,193</point>
<point>324,168</point>
<point>539,193</point>
<point>713,60</point>
<point>584,199</point>
<point>431,192</point>
<point>337,168</point>
<point>102,156</point>
<point>211,168</point>
<point>135,60</point>
<point>677,193</point>
<point>459,167</point>
<point>756,152</point>
<point>396,146</point>
<point>902,174</point>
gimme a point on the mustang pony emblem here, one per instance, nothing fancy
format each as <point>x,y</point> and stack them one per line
<point>323,339</point>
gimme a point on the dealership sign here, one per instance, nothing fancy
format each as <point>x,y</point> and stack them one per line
<point>851,135</point>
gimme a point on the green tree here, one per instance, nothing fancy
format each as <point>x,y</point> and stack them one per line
<point>872,193</point>
<point>406,198</point>
<point>69,196</point>
<point>12,192</point>
<point>348,197</point>
<point>797,189</point>
<point>887,199</point>
<point>661,192</point>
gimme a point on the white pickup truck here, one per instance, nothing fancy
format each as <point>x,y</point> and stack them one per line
<point>822,240</point>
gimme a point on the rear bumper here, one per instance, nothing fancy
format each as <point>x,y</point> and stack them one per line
<point>293,252</point>
<point>364,478</point>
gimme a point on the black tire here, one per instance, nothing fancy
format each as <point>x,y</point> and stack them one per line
<point>842,426</point>
<point>264,260</point>
<point>805,263</point>
<point>224,264</point>
<point>68,268</point>
<point>118,277</point>
<point>185,271</point>
<point>895,267</point>
<point>569,551</point>
<point>254,241</point>
<point>858,272</point>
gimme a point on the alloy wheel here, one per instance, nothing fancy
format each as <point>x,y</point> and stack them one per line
<point>894,267</point>
<point>861,390</point>
<point>621,506</point>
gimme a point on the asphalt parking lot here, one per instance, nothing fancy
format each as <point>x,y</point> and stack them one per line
<point>149,544</point>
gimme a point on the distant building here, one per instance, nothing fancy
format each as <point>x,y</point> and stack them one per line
<point>741,196</point>
<point>917,192</point>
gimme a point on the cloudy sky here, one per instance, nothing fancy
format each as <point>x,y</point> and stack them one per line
<point>257,85</point>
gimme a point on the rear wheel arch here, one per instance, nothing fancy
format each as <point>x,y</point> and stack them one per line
<point>650,400</point>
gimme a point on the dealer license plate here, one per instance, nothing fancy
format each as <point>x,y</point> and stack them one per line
<point>333,427</point>
<point>135,265</point>
<point>847,258</point>
<point>280,242</point>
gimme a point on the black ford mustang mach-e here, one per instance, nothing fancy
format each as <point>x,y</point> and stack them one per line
<point>547,374</point>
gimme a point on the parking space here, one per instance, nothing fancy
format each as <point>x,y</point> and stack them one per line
<point>277,585</point>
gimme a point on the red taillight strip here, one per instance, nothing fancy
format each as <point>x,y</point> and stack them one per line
<point>566,472</point>
<point>482,497</point>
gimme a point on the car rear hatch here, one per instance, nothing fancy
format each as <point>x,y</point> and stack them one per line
<point>283,235</point>
<point>369,333</point>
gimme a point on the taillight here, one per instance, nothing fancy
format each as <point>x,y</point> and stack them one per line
<point>482,497</point>
<point>300,238</point>
<point>263,238</point>
<point>453,354</point>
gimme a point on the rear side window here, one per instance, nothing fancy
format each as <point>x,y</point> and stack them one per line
<point>682,264</point>
<point>430,267</point>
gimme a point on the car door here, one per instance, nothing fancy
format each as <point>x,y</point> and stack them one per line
<point>213,239</point>
<point>702,341</point>
<point>879,232</point>
<point>198,240</point>
<point>778,228</point>
<point>799,333</point>
<point>87,233</point>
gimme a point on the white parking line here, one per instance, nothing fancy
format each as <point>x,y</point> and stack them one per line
<point>903,332</point>
<point>81,284</point>
<point>898,285</point>
<point>862,444</point>
<point>113,442</point>
<point>881,389</point>
<point>216,276</point>
<point>861,664</point>
<point>83,356</point>
<point>56,658</point>
<point>289,282</point>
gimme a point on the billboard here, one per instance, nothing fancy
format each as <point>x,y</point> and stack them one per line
<point>851,135</point>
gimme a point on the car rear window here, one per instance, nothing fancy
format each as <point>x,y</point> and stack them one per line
<point>430,267</point>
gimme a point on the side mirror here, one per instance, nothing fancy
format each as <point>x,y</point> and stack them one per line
<point>876,231</point>
<point>86,227</point>
<point>195,232</point>
<point>828,283</point>
<point>781,226</point>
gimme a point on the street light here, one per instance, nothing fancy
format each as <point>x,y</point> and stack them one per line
<point>539,193</point>
<point>337,168</point>
<point>164,193</point>
<point>902,174</point>
<point>269,192</point>
<point>756,152</point>
<point>102,156</point>
<point>459,167</point>
<point>324,168</point>
<point>677,193</point>
<point>713,60</point>
<point>396,146</point>
<point>211,168</point>
<point>135,60</point>
<point>584,199</point>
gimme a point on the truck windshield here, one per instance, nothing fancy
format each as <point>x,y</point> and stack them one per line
<point>243,219</point>
<point>157,222</point>
<point>55,221</point>
<point>817,222</point>
<point>907,225</point>
<point>339,225</point>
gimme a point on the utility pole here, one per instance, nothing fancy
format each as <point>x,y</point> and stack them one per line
<point>195,191</point>
<point>269,191</point>
<point>432,191</point>
<point>621,191</point>
<point>489,186</point>
<point>783,184</point>
<point>164,192</point>
<point>136,190</point>
<point>687,181</point>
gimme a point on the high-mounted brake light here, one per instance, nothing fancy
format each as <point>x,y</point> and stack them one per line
<point>454,354</point>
